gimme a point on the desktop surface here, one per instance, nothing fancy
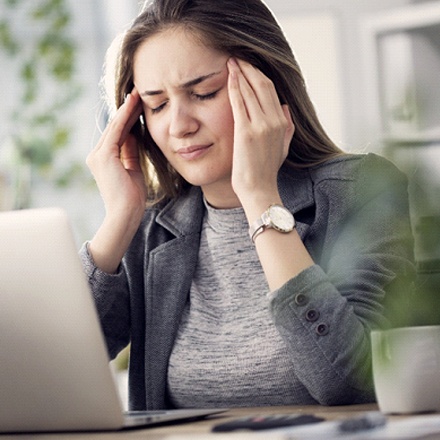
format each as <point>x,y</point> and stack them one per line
<point>198,428</point>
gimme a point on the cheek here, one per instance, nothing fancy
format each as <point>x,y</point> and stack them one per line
<point>157,134</point>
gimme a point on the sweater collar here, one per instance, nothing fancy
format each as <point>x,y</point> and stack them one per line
<point>184,215</point>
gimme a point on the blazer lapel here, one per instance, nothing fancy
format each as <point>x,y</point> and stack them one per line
<point>170,272</point>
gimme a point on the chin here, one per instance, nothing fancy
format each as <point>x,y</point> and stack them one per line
<point>205,177</point>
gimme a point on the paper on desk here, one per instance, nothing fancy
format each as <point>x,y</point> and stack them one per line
<point>412,427</point>
<point>409,428</point>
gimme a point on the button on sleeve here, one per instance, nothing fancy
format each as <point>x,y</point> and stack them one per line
<point>312,315</point>
<point>301,299</point>
<point>322,329</point>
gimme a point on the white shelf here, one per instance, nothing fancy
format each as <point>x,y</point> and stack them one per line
<point>405,18</point>
<point>402,74</point>
<point>415,138</point>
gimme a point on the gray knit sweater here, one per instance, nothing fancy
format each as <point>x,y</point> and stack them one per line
<point>228,351</point>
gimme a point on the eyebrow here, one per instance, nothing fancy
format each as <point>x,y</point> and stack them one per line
<point>185,85</point>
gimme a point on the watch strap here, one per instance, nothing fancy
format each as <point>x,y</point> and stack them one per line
<point>258,226</point>
<point>257,232</point>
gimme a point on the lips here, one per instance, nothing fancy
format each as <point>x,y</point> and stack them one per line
<point>193,152</point>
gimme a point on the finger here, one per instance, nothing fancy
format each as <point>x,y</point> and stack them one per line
<point>238,106</point>
<point>262,88</point>
<point>248,95</point>
<point>130,115</point>
<point>119,127</point>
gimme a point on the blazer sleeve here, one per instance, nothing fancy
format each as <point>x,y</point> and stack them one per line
<point>326,313</point>
<point>111,296</point>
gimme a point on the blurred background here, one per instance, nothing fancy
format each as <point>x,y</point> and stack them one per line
<point>372,69</point>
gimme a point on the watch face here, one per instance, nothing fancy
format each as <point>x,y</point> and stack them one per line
<point>281,218</point>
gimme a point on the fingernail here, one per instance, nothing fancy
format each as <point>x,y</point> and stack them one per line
<point>233,61</point>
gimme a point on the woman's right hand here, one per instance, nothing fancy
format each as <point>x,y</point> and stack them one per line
<point>114,162</point>
<point>115,165</point>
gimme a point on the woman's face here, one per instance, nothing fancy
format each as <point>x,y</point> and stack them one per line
<point>184,89</point>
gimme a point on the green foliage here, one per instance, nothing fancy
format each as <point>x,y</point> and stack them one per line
<point>35,36</point>
<point>7,42</point>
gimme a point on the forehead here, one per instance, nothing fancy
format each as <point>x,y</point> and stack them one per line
<point>173,57</point>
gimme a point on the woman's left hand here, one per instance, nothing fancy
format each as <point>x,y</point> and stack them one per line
<point>263,129</point>
<point>262,132</point>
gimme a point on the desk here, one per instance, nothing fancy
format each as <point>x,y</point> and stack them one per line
<point>204,426</point>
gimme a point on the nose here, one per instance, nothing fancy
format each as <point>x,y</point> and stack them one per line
<point>183,122</point>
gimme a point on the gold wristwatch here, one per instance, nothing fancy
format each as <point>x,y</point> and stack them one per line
<point>275,217</point>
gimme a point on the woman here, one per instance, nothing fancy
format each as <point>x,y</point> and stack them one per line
<point>214,127</point>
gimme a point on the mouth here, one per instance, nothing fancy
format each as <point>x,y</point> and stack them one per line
<point>193,152</point>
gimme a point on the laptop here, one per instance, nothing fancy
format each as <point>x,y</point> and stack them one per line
<point>55,373</point>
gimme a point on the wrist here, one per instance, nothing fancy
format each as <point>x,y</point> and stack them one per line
<point>256,204</point>
<point>112,240</point>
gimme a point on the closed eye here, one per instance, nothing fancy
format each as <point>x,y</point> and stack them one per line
<point>157,109</point>
<point>199,97</point>
<point>207,96</point>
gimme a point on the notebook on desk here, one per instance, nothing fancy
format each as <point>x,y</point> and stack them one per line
<point>54,369</point>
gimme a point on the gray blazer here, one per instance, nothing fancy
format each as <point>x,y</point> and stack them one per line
<point>352,215</point>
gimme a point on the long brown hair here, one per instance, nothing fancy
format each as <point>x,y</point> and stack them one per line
<point>245,29</point>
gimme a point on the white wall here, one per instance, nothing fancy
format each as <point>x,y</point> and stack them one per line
<point>314,38</point>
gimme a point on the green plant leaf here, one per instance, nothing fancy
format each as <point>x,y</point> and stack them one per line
<point>9,44</point>
<point>61,138</point>
<point>12,3</point>
<point>45,66</point>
